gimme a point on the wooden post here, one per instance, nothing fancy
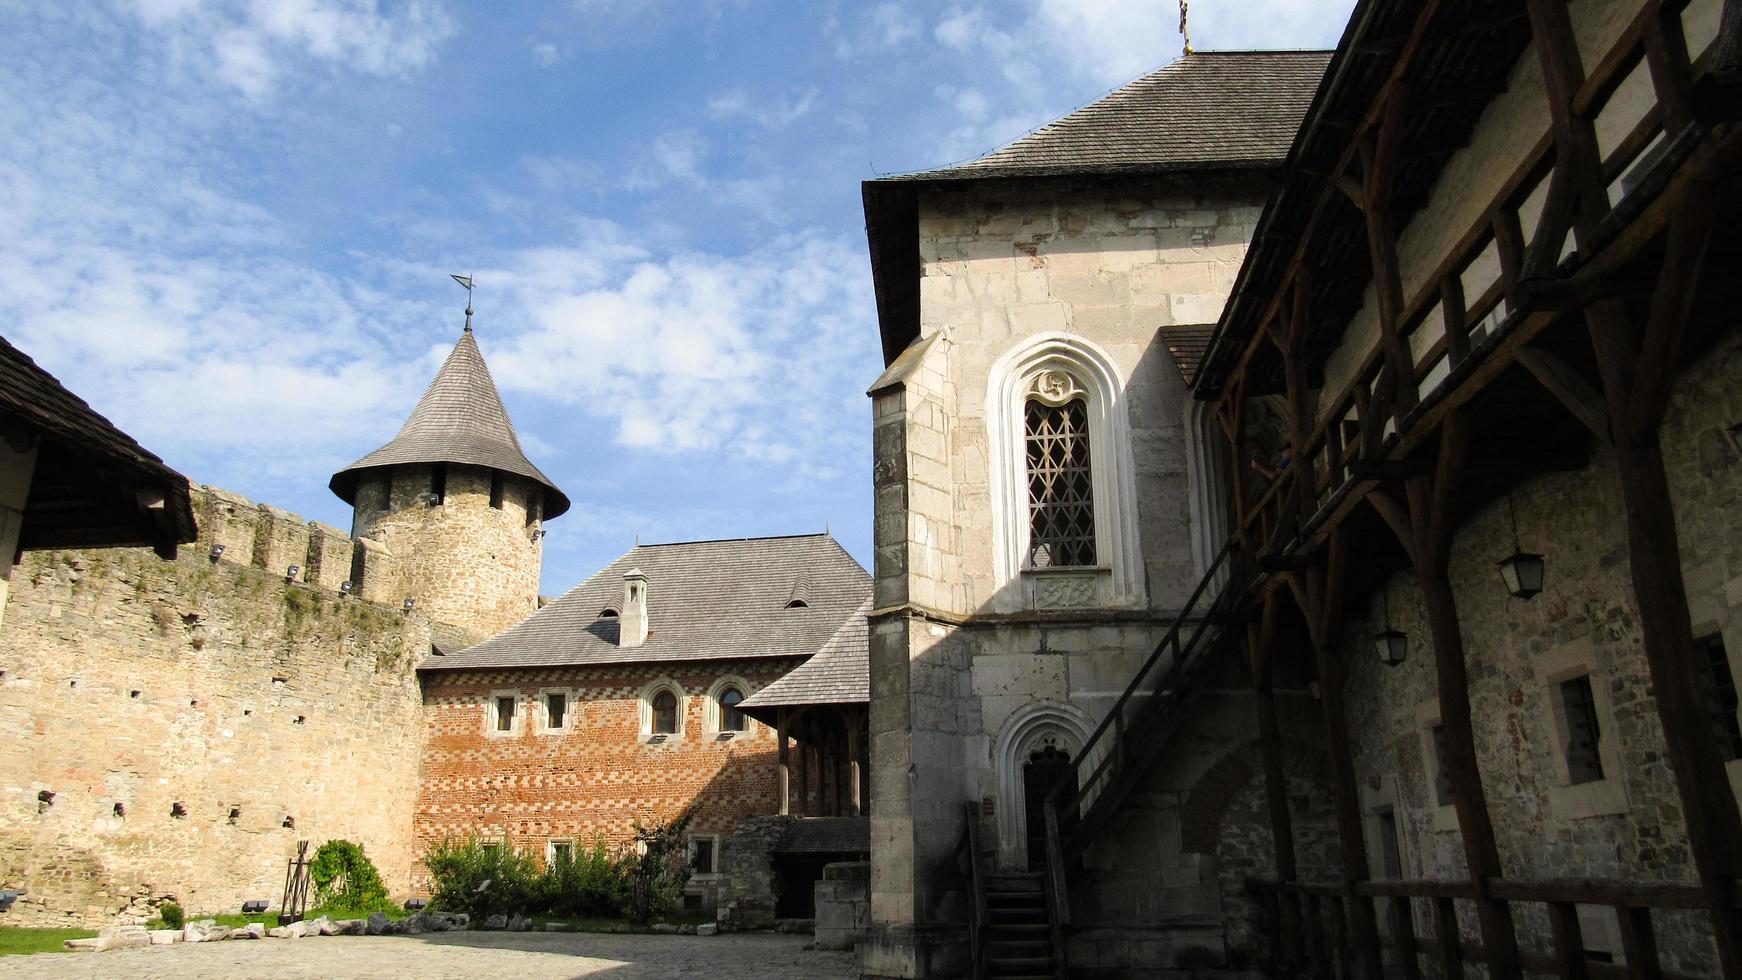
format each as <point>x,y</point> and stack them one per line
<point>1260,639</point>
<point>1321,603</point>
<point>1637,378</point>
<point>802,745</point>
<point>780,737</point>
<point>855,799</point>
<point>1447,939</point>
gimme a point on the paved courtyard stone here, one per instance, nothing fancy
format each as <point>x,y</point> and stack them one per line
<point>469,955</point>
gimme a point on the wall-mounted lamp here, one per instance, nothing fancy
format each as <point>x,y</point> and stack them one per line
<point>1522,571</point>
<point>409,602</point>
<point>345,588</point>
<point>217,552</point>
<point>1392,645</point>
<point>292,572</point>
<point>537,533</point>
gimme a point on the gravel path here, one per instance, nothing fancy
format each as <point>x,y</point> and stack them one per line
<point>468,955</point>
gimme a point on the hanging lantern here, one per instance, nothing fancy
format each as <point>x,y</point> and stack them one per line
<point>1392,645</point>
<point>1523,573</point>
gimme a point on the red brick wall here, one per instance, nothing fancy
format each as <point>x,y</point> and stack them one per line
<point>599,776</point>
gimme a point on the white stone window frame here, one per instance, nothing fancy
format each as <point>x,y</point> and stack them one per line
<point>1375,802</point>
<point>1117,578</point>
<point>544,725</point>
<point>1444,816</point>
<point>690,856</point>
<point>491,719</point>
<point>651,691</point>
<point>712,711</point>
<point>550,847</point>
<point>1599,797</point>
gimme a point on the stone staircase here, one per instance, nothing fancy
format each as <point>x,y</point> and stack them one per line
<point>1019,938</point>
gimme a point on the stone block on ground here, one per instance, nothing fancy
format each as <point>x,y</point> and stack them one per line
<point>519,923</point>
<point>557,927</point>
<point>664,928</point>
<point>496,922</point>
<point>708,929</point>
<point>414,925</point>
<point>323,926</point>
<point>91,945</point>
<point>124,936</point>
<point>253,930</point>
<point>164,937</point>
<point>378,924</point>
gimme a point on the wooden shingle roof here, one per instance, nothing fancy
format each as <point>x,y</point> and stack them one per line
<point>706,600</point>
<point>840,673</point>
<point>1214,109</point>
<point>94,486</point>
<point>459,419</point>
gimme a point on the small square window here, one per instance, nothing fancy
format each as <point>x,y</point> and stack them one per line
<point>1442,778</point>
<point>556,708</point>
<point>496,489</point>
<point>1719,689</point>
<point>702,855</point>
<point>1584,764</point>
<point>504,714</point>
<point>560,850</point>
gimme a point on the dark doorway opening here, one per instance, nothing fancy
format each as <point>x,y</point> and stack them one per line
<point>1046,767</point>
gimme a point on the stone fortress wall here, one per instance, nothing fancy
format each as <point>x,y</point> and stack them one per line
<point>173,728</point>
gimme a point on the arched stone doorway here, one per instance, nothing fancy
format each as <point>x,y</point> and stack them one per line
<point>1046,766</point>
<point>1046,733</point>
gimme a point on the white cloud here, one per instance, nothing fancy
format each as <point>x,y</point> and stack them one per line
<point>248,46</point>
<point>545,55</point>
<point>695,351</point>
<point>769,112</point>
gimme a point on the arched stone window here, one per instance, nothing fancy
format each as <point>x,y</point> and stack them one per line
<point>1063,484</point>
<point>662,710</point>
<point>720,714</point>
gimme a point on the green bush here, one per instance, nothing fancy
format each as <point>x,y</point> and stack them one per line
<point>587,883</point>
<point>459,867</point>
<point>658,876</point>
<point>345,881</point>
<point>171,915</point>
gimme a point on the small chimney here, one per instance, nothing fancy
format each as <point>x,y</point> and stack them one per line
<point>632,624</point>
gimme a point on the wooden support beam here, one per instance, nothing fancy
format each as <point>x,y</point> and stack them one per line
<point>1578,396</point>
<point>1261,639</point>
<point>780,738</point>
<point>1575,293</point>
<point>1636,379</point>
<point>1389,470</point>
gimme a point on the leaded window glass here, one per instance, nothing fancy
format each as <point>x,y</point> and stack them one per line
<point>1061,504</point>
<point>731,719</point>
<point>665,713</point>
<point>1584,762</point>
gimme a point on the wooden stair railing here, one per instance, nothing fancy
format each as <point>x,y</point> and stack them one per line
<point>1129,737</point>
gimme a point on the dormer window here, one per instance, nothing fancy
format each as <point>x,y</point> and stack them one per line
<point>798,604</point>
<point>607,613</point>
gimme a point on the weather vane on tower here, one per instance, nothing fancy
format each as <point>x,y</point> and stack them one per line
<point>466,281</point>
<point>1184,31</point>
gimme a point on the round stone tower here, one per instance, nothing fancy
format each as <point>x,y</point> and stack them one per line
<point>455,504</point>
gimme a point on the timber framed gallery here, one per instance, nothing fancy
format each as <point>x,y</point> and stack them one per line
<point>1503,254</point>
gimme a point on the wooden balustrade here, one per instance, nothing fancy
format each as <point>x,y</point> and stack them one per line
<point>1326,934</point>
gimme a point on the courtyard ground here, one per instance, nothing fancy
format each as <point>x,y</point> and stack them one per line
<point>468,955</point>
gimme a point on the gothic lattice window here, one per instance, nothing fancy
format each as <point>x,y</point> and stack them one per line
<point>1061,504</point>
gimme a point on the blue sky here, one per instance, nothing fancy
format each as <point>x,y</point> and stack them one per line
<point>229,225</point>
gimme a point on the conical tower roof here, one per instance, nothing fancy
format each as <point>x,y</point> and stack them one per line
<point>460,419</point>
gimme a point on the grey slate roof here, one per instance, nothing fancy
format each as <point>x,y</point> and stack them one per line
<point>1211,109</point>
<point>706,600</point>
<point>826,835</point>
<point>840,673</point>
<point>459,419</point>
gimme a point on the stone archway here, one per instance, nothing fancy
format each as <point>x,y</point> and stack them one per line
<point>1032,729</point>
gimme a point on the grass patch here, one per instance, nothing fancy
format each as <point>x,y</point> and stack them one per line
<point>18,942</point>
<point>270,919</point>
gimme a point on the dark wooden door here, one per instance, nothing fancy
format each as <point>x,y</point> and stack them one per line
<point>1044,770</point>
